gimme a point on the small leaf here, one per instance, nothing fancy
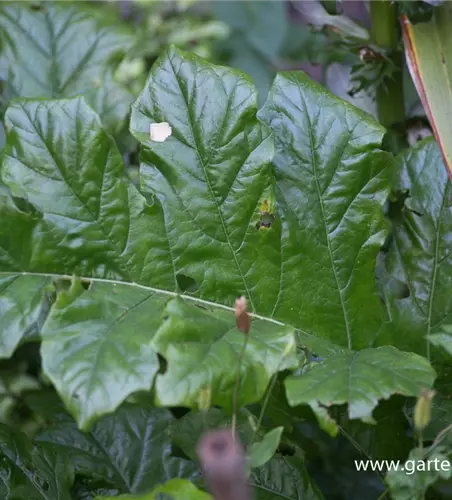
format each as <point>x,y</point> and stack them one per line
<point>284,478</point>
<point>176,489</point>
<point>443,340</point>
<point>360,379</point>
<point>261,452</point>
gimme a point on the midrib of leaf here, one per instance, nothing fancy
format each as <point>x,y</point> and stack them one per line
<point>53,50</point>
<point>88,279</point>
<point>322,209</point>
<point>212,194</point>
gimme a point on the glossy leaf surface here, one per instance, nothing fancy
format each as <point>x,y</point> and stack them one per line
<point>82,216</point>
<point>331,182</point>
<point>210,176</point>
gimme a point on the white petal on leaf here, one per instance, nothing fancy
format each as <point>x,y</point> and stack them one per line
<point>159,132</point>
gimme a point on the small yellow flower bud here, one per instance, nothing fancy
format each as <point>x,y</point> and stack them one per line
<point>422,410</point>
<point>204,398</point>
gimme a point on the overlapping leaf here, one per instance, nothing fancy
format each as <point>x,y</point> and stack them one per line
<point>359,379</point>
<point>331,182</point>
<point>420,254</point>
<point>61,51</point>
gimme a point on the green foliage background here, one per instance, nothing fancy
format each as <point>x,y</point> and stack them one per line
<point>121,257</point>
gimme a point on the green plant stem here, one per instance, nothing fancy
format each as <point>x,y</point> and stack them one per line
<point>383,495</point>
<point>385,34</point>
<point>264,406</point>
<point>237,386</point>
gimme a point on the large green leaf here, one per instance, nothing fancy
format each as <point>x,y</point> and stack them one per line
<point>60,51</point>
<point>34,472</point>
<point>331,182</point>
<point>218,222</point>
<point>85,218</point>
<point>419,255</point>
<point>359,378</point>
<point>80,215</point>
<point>210,177</point>
<point>130,450</point>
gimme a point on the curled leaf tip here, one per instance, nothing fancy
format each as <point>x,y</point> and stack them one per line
<point>241,315</point>
<point>159,132</point>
